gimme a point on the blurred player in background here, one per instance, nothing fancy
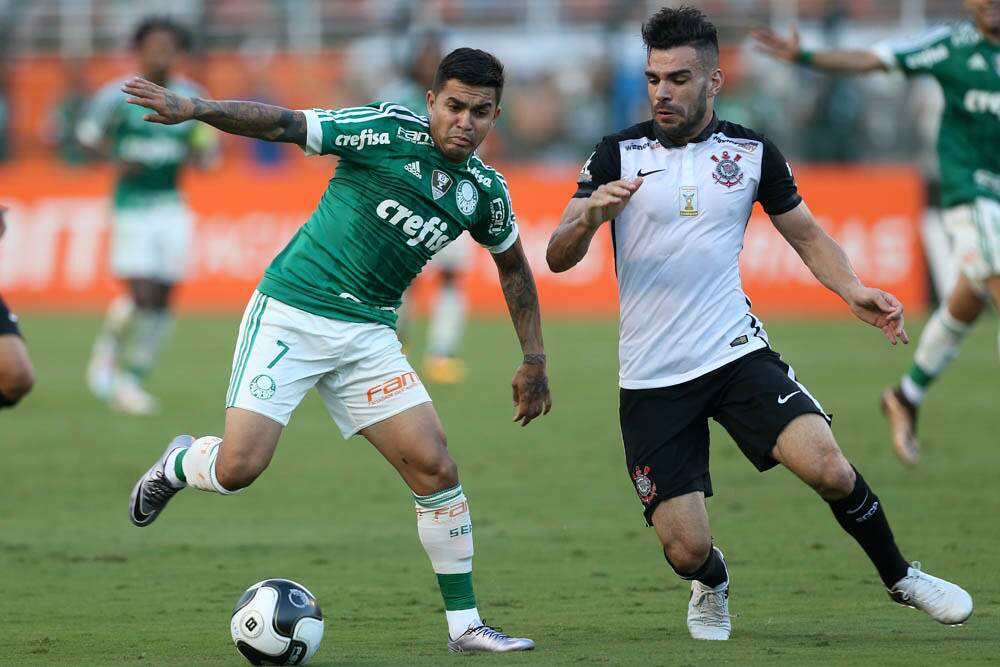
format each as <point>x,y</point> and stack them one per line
<point>151,226</point>
<point>16,374</point>
<point>324,312</point>
<point>448,310</point>
<point>965,60</point>
<point>678,190</point>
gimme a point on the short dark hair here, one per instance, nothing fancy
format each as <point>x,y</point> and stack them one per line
<point>683,26</point>
<point>472,67</point>
<point>154,23</point>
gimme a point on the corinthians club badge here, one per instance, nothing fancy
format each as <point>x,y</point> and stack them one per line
<point>644,486</point>
<point>727,170</point>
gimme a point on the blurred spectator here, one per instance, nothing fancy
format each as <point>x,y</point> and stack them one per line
<point>5,122</point>
<point>59,130</point>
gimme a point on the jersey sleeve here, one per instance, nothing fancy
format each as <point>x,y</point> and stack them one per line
<point>496,228</point>
<point>98,115</point>
<point>776,192</point>
<point>603,166</point>
<point>356,133</point>
<point>922,54</point>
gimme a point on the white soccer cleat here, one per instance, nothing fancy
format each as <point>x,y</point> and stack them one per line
<point>129,396</point>
<point>485,639</point>
<point>101,371</point>
<point>943,601</point>
<point>708,610</point>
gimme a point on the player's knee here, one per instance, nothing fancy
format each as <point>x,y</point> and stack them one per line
<point>835,477</point>
<point>17,383</point>
<point>442,472</point>
<point>687,555</point>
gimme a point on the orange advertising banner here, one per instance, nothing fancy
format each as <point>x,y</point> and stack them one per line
<point>54,253</point>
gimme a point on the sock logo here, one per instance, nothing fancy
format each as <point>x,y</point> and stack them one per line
<point>869,513</point>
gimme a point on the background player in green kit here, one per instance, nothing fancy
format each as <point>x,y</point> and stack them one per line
<point>151,226</point>
<point>324,312</point>
<point>965,60</point>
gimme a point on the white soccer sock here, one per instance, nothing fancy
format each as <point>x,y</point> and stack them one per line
<point>116,324</point>
<point>447,322</point>
<point>148,335</point>
<point>445,528</point>
<point>170,470</point>
<point>199,465</point>
<point>938,344</point>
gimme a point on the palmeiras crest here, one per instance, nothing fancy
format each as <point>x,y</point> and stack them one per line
<point>727,170</point>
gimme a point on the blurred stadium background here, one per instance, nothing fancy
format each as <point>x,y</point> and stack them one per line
<point>561,552</point>
<point>574,70</point>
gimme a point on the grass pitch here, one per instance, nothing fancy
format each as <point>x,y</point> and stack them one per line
<point>562,554</point>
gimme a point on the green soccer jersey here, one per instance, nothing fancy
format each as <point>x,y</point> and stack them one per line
<point>159,151</point>
<point>968,68</point>
<point>393,202</point>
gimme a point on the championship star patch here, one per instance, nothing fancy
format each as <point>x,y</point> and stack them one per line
<point>644,486</point>
<point>727,170</point>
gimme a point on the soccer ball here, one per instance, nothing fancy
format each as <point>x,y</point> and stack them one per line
<point>277,622</point>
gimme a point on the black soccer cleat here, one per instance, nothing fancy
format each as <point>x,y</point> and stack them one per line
<point>152,492</point>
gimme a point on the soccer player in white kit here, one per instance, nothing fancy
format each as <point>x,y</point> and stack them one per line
<point>678,190</point>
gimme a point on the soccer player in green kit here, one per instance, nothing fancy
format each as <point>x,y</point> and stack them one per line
<point>323,314</point>
<point>965,60</point>
<point>151,224</point>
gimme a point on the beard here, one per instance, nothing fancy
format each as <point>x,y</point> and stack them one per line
<point>692,118</point>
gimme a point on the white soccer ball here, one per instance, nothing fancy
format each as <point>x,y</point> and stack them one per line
<point>277,622</point>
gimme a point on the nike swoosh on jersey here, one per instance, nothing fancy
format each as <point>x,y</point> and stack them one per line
<point>784,399</point>
<point>642,174</point>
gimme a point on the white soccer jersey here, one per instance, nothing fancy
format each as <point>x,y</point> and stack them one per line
<point>677,246</point>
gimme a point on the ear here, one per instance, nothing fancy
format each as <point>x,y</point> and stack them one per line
<point>496,115</point>
<point>430,101</point>
<point>716,80</point>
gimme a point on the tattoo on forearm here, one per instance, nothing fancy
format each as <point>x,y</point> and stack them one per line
<point>252,119</point>
<point>535,359</point>
<point>522,302</point>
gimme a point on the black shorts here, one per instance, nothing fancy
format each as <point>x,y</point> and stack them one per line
<point>665,430</point>
<point>8,320</point>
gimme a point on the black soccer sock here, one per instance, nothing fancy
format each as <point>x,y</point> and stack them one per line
<point>6,402</point>
<point>711,573</point>
<point>862,516</point>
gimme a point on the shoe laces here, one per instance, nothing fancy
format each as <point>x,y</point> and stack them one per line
<point>487,632</point>
<point>157,489</point>
<point>711,606</point>
<point>924,588</point>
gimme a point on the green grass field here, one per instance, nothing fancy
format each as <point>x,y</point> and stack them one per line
<point>562,554</point>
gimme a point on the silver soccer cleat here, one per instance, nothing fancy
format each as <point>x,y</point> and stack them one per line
<point>483,638</point>
<point>708,610</point>
<point>152,492</point>
<point>943,601</point>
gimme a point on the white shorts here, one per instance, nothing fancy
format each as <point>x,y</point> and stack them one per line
<point>358,369</point>
<point>152,242</point>
<point>974,229</point>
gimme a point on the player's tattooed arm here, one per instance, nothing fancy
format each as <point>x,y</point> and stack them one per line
<point>253,119</point>
<point>531,384</point>
<point>249,119</point>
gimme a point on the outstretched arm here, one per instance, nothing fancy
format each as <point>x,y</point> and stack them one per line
<point>530,384</point>
<point>828,262</point>
<point>249,119</point>
<point>582,218</point>
<point>832,60</point>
